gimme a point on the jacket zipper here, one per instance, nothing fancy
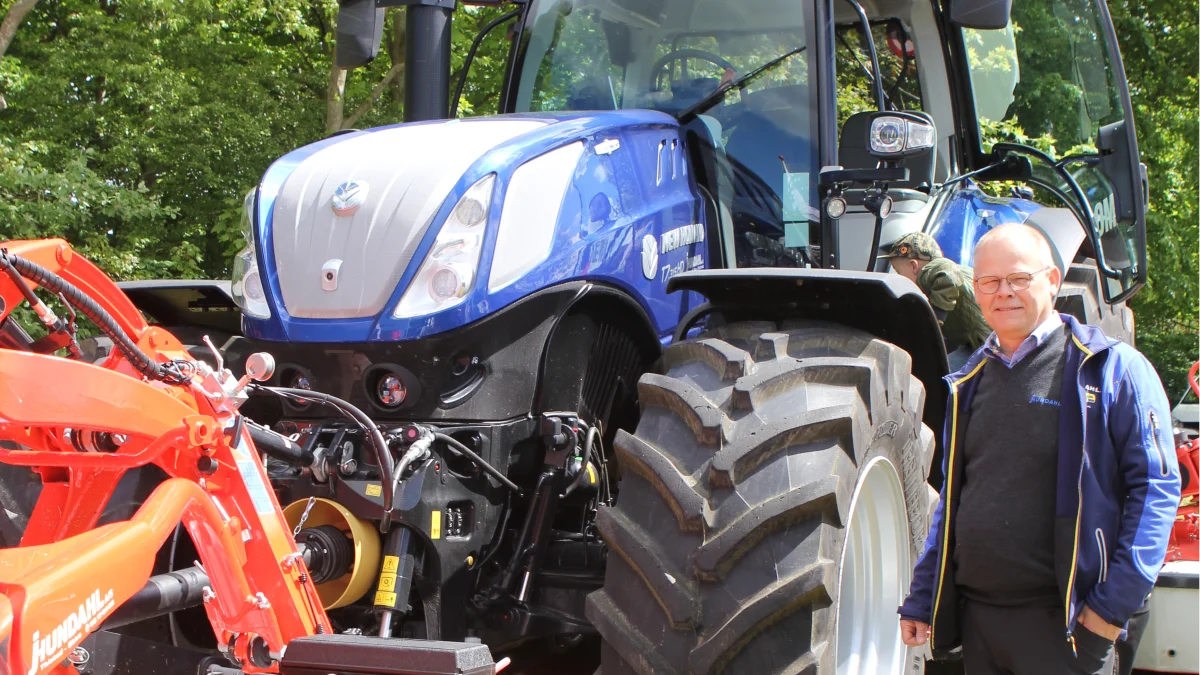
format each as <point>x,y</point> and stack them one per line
<point>1079,509</point>
<point>945,552</point>
<point>1103,554</point>
<point>941,579</point>
<point>1162,456</point>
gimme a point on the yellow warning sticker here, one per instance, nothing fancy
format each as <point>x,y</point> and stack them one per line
<point>374,490</point>
<point>435,525</point>
<point>386,599</point>
<point>387,582</point>
<point>391,563</point>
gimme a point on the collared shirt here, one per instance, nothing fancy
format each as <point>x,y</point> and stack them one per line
<point>992,346</point>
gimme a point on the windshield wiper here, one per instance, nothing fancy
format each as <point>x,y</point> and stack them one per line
<point>711,100</point>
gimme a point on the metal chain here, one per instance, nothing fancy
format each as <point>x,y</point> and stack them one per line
<point>304,516</point>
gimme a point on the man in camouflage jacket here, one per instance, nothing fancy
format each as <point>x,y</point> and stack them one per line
<point>949,288</point>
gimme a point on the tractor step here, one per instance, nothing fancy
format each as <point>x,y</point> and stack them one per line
<point>368,655</point>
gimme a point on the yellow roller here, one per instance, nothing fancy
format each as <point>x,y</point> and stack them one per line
<point>355,583</point>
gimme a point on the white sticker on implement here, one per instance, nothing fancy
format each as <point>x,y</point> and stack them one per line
<point>255,486</point>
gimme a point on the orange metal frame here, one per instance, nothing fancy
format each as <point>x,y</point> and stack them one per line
<point>1185,536</point>
<point>68,575</point>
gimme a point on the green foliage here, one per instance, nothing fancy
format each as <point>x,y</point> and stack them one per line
<point>135,127</point>
<point>856,87</point>
<point>1158,44</point>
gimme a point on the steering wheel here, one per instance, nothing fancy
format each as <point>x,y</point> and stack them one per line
<point>680,54</point>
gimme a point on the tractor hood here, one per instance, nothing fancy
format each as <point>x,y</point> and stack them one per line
<point>343,228</point>
<point>366,202</point>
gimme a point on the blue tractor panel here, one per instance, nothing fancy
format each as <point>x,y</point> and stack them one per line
<point>408,231</point>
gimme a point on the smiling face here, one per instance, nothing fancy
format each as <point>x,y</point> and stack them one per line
<point>1014,314</point>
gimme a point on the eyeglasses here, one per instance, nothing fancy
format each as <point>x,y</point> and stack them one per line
<point>1018,281</point>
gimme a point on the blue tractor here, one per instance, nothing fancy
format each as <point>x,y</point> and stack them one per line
<point>640,369</point>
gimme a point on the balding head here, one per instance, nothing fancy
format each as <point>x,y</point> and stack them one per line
<point>1011,255</point>
<point>1019,236</point>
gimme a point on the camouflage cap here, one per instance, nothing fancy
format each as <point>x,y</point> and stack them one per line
<point>918,246</point>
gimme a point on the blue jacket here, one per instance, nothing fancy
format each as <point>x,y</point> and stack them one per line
<point>1118,488</point>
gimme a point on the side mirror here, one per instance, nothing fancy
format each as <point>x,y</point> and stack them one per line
<point>1117,162</point>
<point>980,14</point>
<point>897,135</point>
<point>359,32</point>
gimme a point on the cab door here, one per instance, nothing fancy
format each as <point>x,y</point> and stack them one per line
<point>1046,82</point>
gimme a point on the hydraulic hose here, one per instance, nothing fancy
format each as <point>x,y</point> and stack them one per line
<point>278,446</point>
<point>469,454</point>
<point>592,433</point>
<point>16,265</point>
<point>382,457</point>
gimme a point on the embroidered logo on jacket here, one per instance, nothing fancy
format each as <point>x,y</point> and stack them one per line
<point>1040,400</point>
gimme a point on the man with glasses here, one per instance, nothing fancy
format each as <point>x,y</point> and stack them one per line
<point>947,284</point>
<point>1061,483</point>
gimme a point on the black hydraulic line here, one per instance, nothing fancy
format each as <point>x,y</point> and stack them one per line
<point>500,539</point>
<point>382,457</point>
<point>466,68</point>
<point>162,594</point>
<point>278,446</point>
<point>470,454</point>
<point>43,277</point>
<point>587,457</point>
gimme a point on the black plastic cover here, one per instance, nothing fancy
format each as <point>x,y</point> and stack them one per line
<point>369,655</point>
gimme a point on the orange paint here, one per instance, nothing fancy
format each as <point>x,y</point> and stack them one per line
<point>68,575</point>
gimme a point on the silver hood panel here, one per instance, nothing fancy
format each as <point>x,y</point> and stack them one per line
<point>407,171</point>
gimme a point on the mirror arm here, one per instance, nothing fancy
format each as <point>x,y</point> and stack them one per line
<point>466,68</point>
<point>880,97</point>
<point>1090,160</point>
<point>972,174</point>
<point>1089,218</point>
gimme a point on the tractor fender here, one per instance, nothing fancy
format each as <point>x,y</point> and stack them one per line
<point>888,306</point>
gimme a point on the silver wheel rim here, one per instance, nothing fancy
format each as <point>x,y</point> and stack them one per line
<point>874,575</point>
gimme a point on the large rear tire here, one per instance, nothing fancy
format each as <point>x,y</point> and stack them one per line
<point>761,452</point>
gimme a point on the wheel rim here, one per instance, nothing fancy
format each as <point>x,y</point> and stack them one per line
<point>873,576</point>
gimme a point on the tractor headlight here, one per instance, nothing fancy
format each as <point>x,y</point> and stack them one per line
<point>448,273</point>
<point>894,135</point>
<point>247,285</point>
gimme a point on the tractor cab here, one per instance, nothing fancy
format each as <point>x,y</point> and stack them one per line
<point>1011,115</point>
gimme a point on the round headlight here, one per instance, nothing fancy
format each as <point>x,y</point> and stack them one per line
<point>390,392</point>
<point>300,381</point>
<point>470,212</point>
<point>445,284</point>
<point>252,286</point>
<point>887,135</point>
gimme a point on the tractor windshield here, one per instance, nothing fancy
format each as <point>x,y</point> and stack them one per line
<point>669,55</point>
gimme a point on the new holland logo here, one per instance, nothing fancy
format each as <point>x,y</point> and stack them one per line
<point>649,256</point>
<point>54,646</point>
<point>348,197</point>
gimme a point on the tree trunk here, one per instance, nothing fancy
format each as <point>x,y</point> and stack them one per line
<point>8,30</point>
<point>393,74</point>
<point>335,100</point>
<point>396,44</point>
